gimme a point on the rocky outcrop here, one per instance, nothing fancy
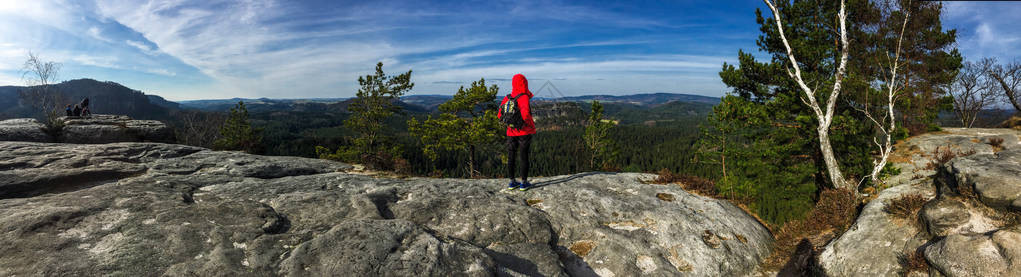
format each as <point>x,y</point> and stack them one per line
<point>968,226</point>
<point>91,129</point>
<point>141,209</point>
<point>23,129</point>
<point>113,128</point>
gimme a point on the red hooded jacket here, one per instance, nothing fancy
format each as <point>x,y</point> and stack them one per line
<point>521,87</point>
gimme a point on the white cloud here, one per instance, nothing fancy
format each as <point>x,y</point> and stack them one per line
<point>985,29</point>
<point>95,33</point>
<point>141,46</point>
<point>234,45</point>
<point>160,71</point>
<point>265,48</point>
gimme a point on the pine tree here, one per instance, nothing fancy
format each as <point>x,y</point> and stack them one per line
<point>601,147</point>
<point>373,105</point>
<point>237,132</point>
<point>468,122</point>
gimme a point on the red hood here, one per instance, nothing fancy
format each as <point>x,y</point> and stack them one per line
<point>520,86</point>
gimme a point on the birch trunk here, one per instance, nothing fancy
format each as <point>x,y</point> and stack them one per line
<point>887,148</point>
<point>825,117</point>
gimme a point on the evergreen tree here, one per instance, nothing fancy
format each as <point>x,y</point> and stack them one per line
<point>767,133</point>
<point>928,60</point>
<point>237,132</point>
<point>468,122</point>
<point>373,105</point>
<point>601,148</point>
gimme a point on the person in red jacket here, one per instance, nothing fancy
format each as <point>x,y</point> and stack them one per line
<point>519,139</point>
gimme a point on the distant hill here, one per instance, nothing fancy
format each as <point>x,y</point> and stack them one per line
<point>284,105</point>
<point>258,103</point>
<point>647,99</point>
<point>104,98</point>
<point>113,98</point>
<point>428,102</point>
<point>431,102</point>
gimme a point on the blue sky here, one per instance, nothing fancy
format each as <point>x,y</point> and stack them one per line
<point>183,49</point>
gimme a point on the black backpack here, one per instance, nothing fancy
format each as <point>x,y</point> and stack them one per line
<point>511,114</point>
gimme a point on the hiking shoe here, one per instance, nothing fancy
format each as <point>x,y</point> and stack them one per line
<point>513,185</point>
<point>525,186</point>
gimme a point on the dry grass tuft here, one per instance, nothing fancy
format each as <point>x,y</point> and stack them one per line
<point>694,184</point>
<point>906,206</point>
<point>834,212</point>
<point>997,143</point>
<point>913,262</point>
<point>666,177</point>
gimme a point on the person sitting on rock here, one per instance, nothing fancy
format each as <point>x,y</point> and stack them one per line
<point>68,110</point>
<point>77,111</point>
<point>515,112</point>
<point>85,107</point>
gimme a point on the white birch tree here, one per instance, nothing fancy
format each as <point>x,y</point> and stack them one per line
<point>823,114</point>
<point>886,121</point>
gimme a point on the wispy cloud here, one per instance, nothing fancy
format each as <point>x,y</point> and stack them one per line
<point>142,46</point>
<point>95,33</point>
<point>985,29</point>
<point>187,49</point>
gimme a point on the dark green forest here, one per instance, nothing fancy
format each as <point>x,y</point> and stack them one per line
<point>657,137</point>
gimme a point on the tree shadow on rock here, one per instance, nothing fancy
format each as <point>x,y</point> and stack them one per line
<point>803,262</point>
<point>569,178</point>
<point>514,263</point>
<point>574,265</point>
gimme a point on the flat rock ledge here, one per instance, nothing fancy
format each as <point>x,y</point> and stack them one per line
<point>968,227</point>
<point>92,129</point>
<point>143,209</point>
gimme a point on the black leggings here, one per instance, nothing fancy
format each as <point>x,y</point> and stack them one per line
<point>513,144</point>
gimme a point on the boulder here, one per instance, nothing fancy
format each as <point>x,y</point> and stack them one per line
<point>113,128</point>
<point>873,245</point>
<point>1012,122</point>
<point>163,209</point>
<point>876,242</point>
<point>944,215</point>
<point>23,129</point>
<point>995,254</point>
<point>92,129</point>
<point>995,178</point>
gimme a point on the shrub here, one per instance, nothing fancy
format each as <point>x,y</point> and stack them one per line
<point>996,142</point>
<point>905,206</point>
<point>941,156</point>
<point>698,185</point>
<point>694,184</point>
<point>666,177</point>
<point>53,127</point>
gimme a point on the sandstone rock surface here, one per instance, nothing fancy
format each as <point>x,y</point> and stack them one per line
<point>950,227</point>
<point>102,128</point>
<point>142,209</point>
<point>98,128</point>
<point>23,129</point>
<point>996,254</point>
